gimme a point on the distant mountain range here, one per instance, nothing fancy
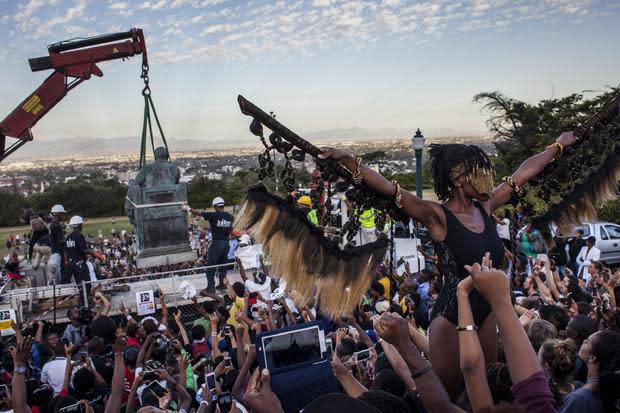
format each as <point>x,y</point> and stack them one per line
<point>41,148</point>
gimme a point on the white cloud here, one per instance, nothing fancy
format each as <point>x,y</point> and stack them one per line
<point>72,13</point>
<point>153,5</point>
<point>321,3</point>
<point>119,5</point>
<point>218,28</point>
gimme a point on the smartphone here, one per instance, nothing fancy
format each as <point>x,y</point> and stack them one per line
<point>328,348</point>
<point>210,381</point>
<point>227,330</point>
<point>4,391</point>
<point>74,408</point>
<point>83,356</point>
<point>227,362</point>
<point>157,388</point>
<point>224,402</point>
<point>361,355</point>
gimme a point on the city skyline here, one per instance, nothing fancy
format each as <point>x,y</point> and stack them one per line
<point>323,66</point>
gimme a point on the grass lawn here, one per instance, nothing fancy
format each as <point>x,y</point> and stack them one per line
<point>91,226</point>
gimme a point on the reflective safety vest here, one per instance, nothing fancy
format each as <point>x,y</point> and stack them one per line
<point>367,218</point>
<point>312,217</point>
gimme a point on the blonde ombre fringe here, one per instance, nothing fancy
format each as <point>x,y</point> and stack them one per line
<point>313,266</point>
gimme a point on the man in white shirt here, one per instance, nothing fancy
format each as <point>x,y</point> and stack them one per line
<point>587,255</point>
<point>53,372</point>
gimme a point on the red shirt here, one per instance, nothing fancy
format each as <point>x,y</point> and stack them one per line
<point>129,378</point>
<point>133,342</point>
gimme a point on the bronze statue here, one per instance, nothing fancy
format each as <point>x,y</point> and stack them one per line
<point>154,205</point>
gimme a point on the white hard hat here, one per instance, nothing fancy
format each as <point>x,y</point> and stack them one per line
<point>218,201</point>
<point>56,209</point>
<point>75,221</point>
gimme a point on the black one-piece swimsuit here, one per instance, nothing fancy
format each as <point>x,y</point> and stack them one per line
<point>464,247</point>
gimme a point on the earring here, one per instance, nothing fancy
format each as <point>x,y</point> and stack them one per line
<point>457,185</point>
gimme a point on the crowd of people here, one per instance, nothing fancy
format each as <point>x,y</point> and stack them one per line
<point>496,321</point>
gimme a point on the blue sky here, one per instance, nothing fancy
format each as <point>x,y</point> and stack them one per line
<point>320,64</point>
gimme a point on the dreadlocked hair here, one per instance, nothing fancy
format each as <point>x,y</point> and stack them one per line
<point>444,158</point>
<point>500,383</point>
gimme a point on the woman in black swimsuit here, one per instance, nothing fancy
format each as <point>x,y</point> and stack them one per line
<point>463,233</point>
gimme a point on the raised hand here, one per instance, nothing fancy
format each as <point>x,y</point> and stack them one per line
<point>492,284</point>
<point>567,138</point>
<point>393,329</point>
<point>21,351</point>
<point>331,153</point>
<point>259,397</point>
<point>121,341</point>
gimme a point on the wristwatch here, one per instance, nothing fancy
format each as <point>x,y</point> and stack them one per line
<point>20,369</point>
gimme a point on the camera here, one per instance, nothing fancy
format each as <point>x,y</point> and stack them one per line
<point>74,408</point>
<point>224,401</point>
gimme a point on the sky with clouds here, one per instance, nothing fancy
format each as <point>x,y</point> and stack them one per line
<point>320,64</point>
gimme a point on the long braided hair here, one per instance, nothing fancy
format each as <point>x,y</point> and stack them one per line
<point>444,160</point>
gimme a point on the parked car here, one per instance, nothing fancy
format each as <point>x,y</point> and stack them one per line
<point>607,239</point>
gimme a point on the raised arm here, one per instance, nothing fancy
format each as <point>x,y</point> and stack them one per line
<point>118,379</point>
<point>426,212</point>
<point>351,386</point>
<point>38,338</point>
<point>470,353</point>
<point>178,317</point>
<point>133,392</point>
<point>244,277</point>
<point>529,169</point>
<point>520,356</point>
<point>393,329</point>
<point>21,354</point>
<point>164,308</point>
<point>244,376</point>
<point>68,367</point>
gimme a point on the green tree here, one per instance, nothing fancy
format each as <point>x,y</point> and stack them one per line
<point>522,130</point>
<point>12,204</point>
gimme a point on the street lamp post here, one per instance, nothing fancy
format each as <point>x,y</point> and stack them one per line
<point>418,145</point>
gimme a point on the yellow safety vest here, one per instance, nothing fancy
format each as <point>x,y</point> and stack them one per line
<point>312,217</point>
<point>367,218</point>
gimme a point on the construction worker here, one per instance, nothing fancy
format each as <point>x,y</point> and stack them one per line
<point>304,203</point>
<point>76,253</point>
<point>368,230</point>
<point>221,226</point>
<point>57,237</point>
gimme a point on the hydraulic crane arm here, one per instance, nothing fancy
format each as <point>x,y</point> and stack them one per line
<point>73,61</point>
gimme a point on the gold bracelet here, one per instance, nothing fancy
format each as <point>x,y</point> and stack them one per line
<point>357,174</point>
<point>515,188</point>
<point>560,148</point>
<point>398,196</point>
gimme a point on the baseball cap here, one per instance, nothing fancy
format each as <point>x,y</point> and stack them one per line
<point>75,221</point>
<point>57,209</point>
<point>218,201</point>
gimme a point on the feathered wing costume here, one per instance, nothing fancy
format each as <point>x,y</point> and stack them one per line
<point>313,265</point>
<point>585,176</point>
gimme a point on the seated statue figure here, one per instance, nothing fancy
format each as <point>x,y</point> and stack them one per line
<point>154,205</point>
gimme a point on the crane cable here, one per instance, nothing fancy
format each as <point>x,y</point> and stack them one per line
<point>147,122</point>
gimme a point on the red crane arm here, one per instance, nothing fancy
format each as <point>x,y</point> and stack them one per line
<point>73,62</point>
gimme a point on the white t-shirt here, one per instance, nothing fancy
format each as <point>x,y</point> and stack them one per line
<point>263,289</point>
<point>503,230</point>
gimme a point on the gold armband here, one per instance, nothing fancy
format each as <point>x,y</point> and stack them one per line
<point>560,149</point>
<point>357,174</point>
<point>398,196</point>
